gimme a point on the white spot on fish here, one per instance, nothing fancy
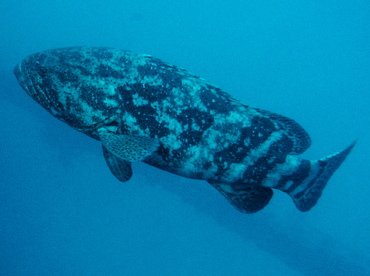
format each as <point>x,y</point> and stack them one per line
<point>110,102</point>
<point>172,140</point>
<point>139,101</point>
<point>111,90</point>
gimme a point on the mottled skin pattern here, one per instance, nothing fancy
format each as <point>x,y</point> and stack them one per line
<point>203,132</point>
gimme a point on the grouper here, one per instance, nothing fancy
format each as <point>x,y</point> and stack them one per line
<point>143,109</point>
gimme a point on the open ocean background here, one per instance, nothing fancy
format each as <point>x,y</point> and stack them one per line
<point>63,213</point>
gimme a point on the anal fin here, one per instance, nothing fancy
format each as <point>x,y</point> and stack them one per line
<point>247,199</point>
<point>120,168</point>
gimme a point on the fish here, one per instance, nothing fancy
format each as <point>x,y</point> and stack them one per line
<point>143,109</point>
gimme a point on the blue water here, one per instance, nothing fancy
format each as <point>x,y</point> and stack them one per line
<point>63,213</point>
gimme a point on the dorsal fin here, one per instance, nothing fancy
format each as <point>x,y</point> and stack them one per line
<point>292,129</point>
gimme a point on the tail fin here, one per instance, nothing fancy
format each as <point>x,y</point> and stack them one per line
<point>306,183</point>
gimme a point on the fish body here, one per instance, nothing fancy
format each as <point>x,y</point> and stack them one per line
<point>143,109</point>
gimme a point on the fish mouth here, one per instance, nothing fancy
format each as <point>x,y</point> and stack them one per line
<point>19,74</point>
<point>27,81</point>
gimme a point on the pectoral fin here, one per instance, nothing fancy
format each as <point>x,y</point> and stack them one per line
<point>120,168</point>
<point>128,147</point>
<point>247,199</point>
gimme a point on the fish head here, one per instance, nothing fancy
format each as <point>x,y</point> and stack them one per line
<point>65,83</point>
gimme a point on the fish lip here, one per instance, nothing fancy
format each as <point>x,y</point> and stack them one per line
<point>25,80</point>
<point>19,75</point>
<point>26,77</point>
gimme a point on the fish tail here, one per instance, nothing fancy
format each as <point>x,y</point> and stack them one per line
<point>307,178</point>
